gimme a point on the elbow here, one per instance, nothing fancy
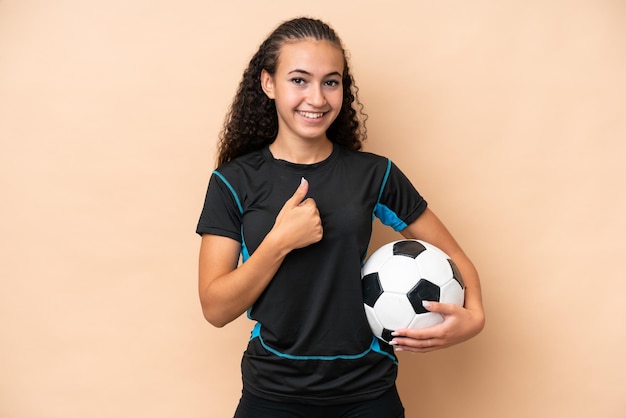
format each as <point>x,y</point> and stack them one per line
<point>480,322</point>
<point>481,325</point>
<point>217,324</point>
<point>215,318</point>
<point>212,312</point>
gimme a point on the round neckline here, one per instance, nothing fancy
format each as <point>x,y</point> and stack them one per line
<point>297,166</point>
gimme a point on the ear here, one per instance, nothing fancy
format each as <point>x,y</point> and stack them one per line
<point>267,84</point>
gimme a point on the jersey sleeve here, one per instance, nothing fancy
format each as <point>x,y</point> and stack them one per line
<point>222,212</point>
<point>399,203</point>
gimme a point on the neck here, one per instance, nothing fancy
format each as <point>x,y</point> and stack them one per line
<point>302,153</point>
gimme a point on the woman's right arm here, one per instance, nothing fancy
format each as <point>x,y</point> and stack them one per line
<point>227,290</point>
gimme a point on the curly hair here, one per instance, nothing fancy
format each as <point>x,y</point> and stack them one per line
<point>252,122</point>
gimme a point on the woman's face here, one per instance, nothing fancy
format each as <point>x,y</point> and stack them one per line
<point>307,88</point>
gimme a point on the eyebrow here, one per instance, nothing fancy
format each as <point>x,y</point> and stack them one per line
<point>334,73</point>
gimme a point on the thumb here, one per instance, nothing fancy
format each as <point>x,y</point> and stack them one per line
<point>300,193</point>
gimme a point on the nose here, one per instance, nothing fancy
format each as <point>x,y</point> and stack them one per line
<point>316,96</point>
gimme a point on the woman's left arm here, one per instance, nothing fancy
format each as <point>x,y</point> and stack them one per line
<point>460,323</point>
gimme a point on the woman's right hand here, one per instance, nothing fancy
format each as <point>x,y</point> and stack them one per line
<point>298,223</point>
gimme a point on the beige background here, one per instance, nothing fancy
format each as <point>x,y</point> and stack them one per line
<point>510,116</point>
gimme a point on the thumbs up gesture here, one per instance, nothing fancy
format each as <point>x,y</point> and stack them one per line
<point>298,223</point>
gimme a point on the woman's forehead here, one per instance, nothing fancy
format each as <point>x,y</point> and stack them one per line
<point>311,56</point>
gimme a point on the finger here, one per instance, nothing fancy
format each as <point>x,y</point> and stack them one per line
<point>299,194</point>
<point>419,333</point>
<point>416,346</point>
<point>442,308</point>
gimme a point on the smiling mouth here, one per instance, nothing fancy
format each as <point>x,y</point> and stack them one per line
<point>311,115</point>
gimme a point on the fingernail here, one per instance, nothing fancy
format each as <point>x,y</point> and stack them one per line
<point>426,304</point>
<point>302,181</point>
<point>394,333</point>
<point>392,342</point>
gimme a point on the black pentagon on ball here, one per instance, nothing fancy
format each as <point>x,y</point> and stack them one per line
<point>408,248</point>
<point>456,274</point>
<point>386,335</point>
<point>423,290</point>
<point>372,289</point>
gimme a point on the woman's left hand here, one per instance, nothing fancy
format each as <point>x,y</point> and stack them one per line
<point>459,325</point>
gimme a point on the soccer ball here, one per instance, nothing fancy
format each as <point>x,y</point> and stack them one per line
<point>398,277</point>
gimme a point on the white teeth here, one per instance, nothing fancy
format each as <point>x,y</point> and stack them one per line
<point>311,115</point>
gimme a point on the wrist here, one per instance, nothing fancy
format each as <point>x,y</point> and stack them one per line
<point>275,244</point>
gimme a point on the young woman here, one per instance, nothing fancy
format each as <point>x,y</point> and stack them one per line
<point>294,196</point>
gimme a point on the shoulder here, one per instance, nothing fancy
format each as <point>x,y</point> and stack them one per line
<point>366,165</point>
<point>364,158</point>
<point>248,163</point>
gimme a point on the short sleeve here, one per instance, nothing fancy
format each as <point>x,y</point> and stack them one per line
<point>221,213</point>
<point>399,203</point>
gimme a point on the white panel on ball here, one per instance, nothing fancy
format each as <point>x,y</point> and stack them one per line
<point>426,320</point>
<point>451,292</point>
<point>397,275</point>
<point>394,310</point>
